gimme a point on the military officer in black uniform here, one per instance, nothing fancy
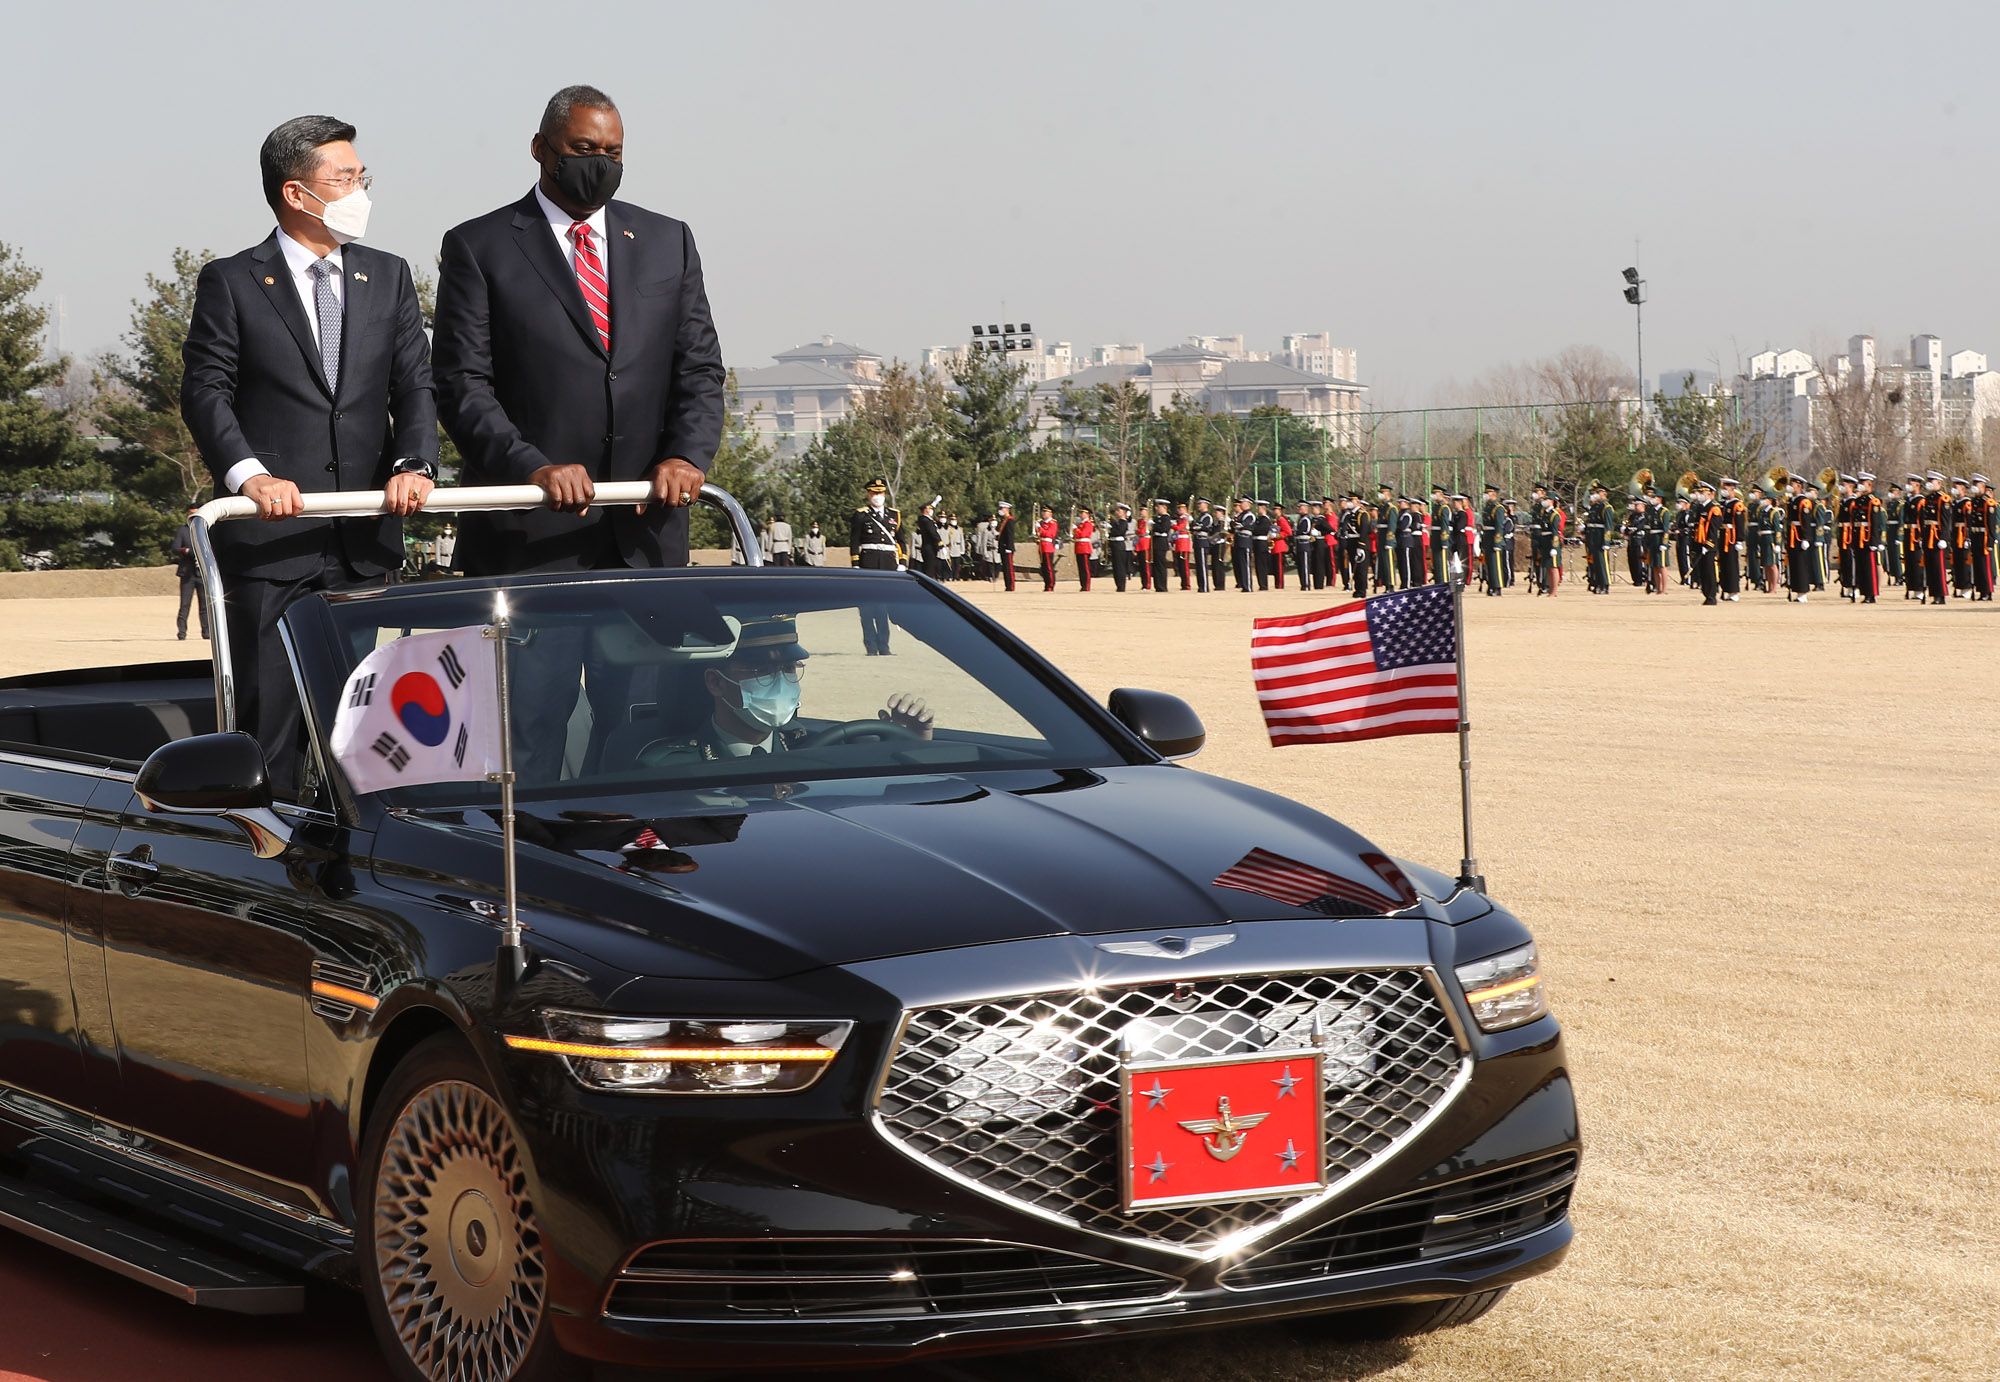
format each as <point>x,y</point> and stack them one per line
<point>1707,530</point>
<point>875,543</point>
<point>1202,528</point>
<point>1892,532</point>
<point>1003,539</point>
<point>1509,526</point>
<point>1161,534</point>
<point>1436,520</point>
<point>1596,522</point>
<point>1118,541</point>
<point>1634,533</point>
<point>1383,527</point>
<point>1729,564</point>
<point>1490,515</point>
<point>1544,538</point>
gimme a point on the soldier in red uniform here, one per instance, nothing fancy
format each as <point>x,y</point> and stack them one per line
<point>1183,544</point>
<point>1281,545</point>
<point>1142,543</point>
<point>1084,535</point>
<point>1047,533</point>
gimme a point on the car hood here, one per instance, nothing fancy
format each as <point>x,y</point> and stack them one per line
<point>765,881</point>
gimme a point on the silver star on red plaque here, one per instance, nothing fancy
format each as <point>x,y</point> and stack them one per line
<point>1290,1156</point>
<point>1285,1085</point>
<point>1158,1166</point>
<point>1156,1094</point>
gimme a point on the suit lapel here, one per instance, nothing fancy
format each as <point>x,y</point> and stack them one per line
<point>621,256</point>
<point>274,276</point>
<point>538,243</point>
<point>359,306</point>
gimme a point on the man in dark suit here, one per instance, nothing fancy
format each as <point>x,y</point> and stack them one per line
<point>574,345</point>
<point>306,370</point>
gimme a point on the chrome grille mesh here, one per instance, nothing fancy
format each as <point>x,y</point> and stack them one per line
<point>1020,1095</point>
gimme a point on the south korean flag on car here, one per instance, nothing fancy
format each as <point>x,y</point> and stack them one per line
<point>420,709</point>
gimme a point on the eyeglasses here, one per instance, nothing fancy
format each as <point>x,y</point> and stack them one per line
<point>768,681</point>
<point>345,183</point>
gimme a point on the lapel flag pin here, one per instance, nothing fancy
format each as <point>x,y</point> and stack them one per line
<point>628,235</point>
<point>361,277</point>
<point>269,279</point>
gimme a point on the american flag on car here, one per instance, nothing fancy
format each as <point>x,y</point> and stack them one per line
<point>1363,670</point>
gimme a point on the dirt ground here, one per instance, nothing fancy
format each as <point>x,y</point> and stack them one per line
<point>1757,845</point>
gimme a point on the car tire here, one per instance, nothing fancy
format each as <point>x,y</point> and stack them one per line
<point>1404,1321</point>
<point>450,1259</point>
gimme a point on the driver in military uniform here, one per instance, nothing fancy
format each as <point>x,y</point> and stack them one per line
<point>756,693</point>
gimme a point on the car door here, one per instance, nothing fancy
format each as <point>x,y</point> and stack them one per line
<point>208,963</point>
<point>42,805</point>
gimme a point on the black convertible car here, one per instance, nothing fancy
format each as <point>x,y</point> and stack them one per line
<point>872,1006</point>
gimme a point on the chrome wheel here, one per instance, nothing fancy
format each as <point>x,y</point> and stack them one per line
<point>456,1251</point>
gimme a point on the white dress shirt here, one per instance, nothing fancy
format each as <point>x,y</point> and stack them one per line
<point>560,221</point>
<point>300,261</point>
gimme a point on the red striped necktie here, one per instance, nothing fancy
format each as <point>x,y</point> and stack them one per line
<point>590,277</point>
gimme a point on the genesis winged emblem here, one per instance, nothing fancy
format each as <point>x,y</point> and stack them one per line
<point>1168,947</point>
<point>1223,1134</point>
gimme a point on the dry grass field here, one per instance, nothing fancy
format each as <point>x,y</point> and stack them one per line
<point>1757,843</point>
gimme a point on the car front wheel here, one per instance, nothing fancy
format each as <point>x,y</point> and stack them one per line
<point>452,1261</point>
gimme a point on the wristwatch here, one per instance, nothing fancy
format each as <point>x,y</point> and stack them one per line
<point>414,465</point>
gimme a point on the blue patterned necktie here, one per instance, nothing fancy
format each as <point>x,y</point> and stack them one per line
<point>327,303</point>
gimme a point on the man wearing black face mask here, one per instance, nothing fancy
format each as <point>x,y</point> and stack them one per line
<point>306,370</point>
<point>574,346</point>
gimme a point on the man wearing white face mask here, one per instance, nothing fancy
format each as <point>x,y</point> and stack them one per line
<point>756,695</point>
<point>306,370</point>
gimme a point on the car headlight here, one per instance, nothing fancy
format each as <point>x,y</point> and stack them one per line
<point>676,1055</point>
<point>1506,990</point>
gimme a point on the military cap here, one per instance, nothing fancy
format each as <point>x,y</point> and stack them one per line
<point>1864,477</point>
<point>1650,490</point>
<point>1729,482</point>
<point>1914,479</point>
<point>1847,479</point>
<point>1507,503</point>
<point>878,486</point>
<point>1933,474</point>
<point>1122,508</point>
<point>1540,486</point>
<point>1005,504</point>
<point>1459,496</point>
<point>771,639</point>
<point>1492,489</point>
<point>1437,489</point>
<point>1978,479</point>
<point>1201,499</point>
<point>1704,485</point>
<point>1958,479</point>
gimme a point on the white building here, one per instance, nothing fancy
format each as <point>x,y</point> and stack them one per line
<point>810,388</point>
<point>1935,396</point>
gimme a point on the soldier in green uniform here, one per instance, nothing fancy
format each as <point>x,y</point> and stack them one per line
<point>1437,525</point>
<point>1546,539</point>
<point>1892,527</point>
<point>1596,524</point>
<point>756,695</point>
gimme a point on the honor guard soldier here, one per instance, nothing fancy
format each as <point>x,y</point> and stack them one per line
<point>1410,568</point>
<point>1047,534</point>
<point>1207,569</point>
<point>1961,547</point>
<point>1260,543</point>
<point>1382,528</point>
<point>1544,538</point>
<point>1705,542</point>
<point>1735,514</point>
<point>1281,544</point>
<point>1160,544</point>
<point>1801,540</point>
<point>1509,526</point>
<point>1915,581</point>
<point>1635,545</point>
<point>1003,540</point>
<point>1933,527</point>
<point>1822,549</point>
<point>1242,523</point>
<point>875,543</point>
<point>1183,544</point>
<point>1767,529</point>
<point>1436,519</point>
<point>1304,541</point>
<point>1596,522</point>
<point>1083,535</point>
<point>1892,529</point>
<point>1119,540</point>
<point>1326,517</point>
<point>1683,535</point>
<point>1846,514</point>
<point>1980,525</point>
<point>1871,529</point>
<point>1490,514</point>
<point>1347,537</point>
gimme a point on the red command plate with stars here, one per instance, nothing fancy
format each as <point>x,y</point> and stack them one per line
<point>1222,1129</point>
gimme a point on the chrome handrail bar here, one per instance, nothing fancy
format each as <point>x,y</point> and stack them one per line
<point>362,503</point>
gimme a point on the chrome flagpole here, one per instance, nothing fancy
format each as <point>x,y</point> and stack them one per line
<point>1468,867</point>
<point>510,963</point>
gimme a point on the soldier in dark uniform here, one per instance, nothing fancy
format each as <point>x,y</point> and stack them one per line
<point>1683,531</point>
<point>1729,564</point>
<point>1437,520</point>
<point>1490,514</point>
<point>756,694</point>
<point>1933,533</point>
<point>1657,526</point>
<point>1845,514</point>
<point>1635,545</point>
<point>875,543</point>
<point>1543,538</point>
<point>1509,527</point>
<point>1303,540</point>
<point>1260,543</point>
<point>1203,527</point>
<point>1892,529</point>
<point>1915,577</point>
<point>1596,522</point>
<point>1347,538</point>
<point>1382,530</point>
<point>1766,528</point>
<point>1242,524</point>
<point>1003,538</point>
<point>1980,516</point>
<point>1708,531</point>
<point>1961,548</point>
<point>1327,520</point>
<point>1161,532</point>
<point>1871,528</point>
<point>1119,540</point>
<point>930,542</point>
<point>1409,536</point>
<point>1801,540</point>
<point>1823,548</point>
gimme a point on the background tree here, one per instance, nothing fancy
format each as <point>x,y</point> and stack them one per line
<point>1862,422</point>
<point>139,400</point>
<point>1703,433</point>
<point>58,505</point>
<point>742,465</point>
<point>988,427</point>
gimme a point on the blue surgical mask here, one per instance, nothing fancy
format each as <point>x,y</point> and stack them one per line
<point>771,700</point>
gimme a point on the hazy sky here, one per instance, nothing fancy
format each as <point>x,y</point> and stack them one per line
<point>1444,187</point>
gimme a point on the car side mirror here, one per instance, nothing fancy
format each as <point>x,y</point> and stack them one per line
<point>216,775</point>
<point>1168,724</point>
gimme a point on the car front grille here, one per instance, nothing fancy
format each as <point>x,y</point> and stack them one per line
<point>1019,1095</point>
<point>768,1280</point>
<point>1442,1221</point>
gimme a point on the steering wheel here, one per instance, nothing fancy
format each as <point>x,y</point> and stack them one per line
<point>857,731</point>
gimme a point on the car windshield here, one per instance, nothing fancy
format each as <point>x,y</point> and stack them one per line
<point>669,680</point>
